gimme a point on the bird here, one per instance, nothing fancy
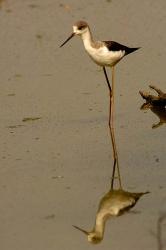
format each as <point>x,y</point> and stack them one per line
<point>105,54</point>
<point>115,203</point>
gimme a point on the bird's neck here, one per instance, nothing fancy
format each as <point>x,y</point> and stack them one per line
<point>87,39</point>
<point>99,226</point>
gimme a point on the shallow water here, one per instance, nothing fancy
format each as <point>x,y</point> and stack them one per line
<point>55,170</point>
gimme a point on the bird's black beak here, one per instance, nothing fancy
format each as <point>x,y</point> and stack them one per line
<point>82,230</point>
<point>73,34</point>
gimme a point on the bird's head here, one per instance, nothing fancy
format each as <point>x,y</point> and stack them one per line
<point>79,28</point>
<point>93,237</point>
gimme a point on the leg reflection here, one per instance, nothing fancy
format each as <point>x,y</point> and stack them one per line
<point>116,201</point>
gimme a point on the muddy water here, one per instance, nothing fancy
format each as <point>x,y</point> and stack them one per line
<point>54,170</point>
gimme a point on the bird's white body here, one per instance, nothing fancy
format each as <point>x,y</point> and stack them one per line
<point>99,53</point>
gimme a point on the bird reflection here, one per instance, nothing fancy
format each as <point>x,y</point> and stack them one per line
<point>114,203</point>
<point>117,201</point>
<point>159,111</point>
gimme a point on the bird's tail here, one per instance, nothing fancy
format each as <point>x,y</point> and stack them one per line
<point>138,195</point>
<point>131,50</point>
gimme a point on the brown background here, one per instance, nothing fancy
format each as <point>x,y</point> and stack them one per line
<point>54,170</point>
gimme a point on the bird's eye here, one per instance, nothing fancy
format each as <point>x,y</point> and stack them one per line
<point>80,27</point>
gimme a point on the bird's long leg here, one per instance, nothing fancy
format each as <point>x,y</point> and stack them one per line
<point>111,113</point>
<point>111,126</point>
<point>106,77</point>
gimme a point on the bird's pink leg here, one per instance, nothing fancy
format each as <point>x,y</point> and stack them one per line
<point>111,126</point>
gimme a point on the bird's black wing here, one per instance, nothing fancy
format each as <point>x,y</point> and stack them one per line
<point>114,46</point>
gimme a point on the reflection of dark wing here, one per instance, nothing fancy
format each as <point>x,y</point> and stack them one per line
<point>127,206</point>
<point>130,201</point>
<point>114,46</point>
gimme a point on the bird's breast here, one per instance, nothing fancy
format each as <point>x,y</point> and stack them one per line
<point>103,57</point>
